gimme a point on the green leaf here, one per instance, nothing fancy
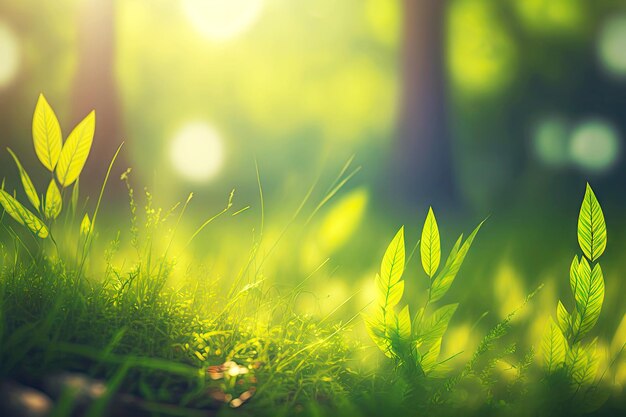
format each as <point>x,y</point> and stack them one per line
<point>573,275</point>
<point>582,363</point>
<point>429,359</point>
<point>22,215</point>
<point>591,227</point>
<point>442,283</point>
<point>589,295</point>
<point>29,188</point>
<point>385,327</point>
<point>403,324</point>
<point>563,319</point>
<point>430,336</point>
<point>391,269</point>
<point>453,253</point>
<point>85,225</point>
<point>54,202</point>
<point>435,326</point>
<point>76,150</point>
<point>398,332</point>
<point>554,347</point>
<point>377,331</point>
<point>389,297</point>
<point>46,134</point>
<point>430,246</point>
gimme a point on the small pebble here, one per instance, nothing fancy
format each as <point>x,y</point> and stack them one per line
<point>17,400</point>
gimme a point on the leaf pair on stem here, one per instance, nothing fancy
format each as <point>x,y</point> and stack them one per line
<point>415,343</point>
<point>562,345</point>
<point>65,161</point>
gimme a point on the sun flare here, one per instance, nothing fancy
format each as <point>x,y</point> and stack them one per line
<point>220,20</point>
<point>196,152</point>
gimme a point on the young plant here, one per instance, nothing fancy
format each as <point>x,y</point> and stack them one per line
<point>65,161</point>
<point>564,350</point>
<point>415,344</point>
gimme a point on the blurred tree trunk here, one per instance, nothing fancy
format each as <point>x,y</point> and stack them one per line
<point>95,87</point>
<point>423,169</point>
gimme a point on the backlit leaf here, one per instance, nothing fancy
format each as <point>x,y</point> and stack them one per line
<point>22,215</point>
<point>391,270</point>
<point>76,150</point>
<point>85,225</point>
<point>589,297</point>
<point>403,323</point>
<point>398,332</point>
<point>46,134</point>
<point>377,330</point>
<point>563,319</point>
<point>429,359</point>
<point>441,284</point>
<point>573,275</point>
<point>591,227</point>
<point>389,296</point>
<point>435,326</point>
<point>54,203</point>
<point>582,363</point>
<point>554,347</point>
<point>430,245</point>
<point>29,188</point>
<point>430,336</point>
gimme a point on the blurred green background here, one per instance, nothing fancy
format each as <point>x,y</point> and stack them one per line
<point>500,108</point>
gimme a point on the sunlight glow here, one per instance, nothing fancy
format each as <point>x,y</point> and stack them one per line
<point>220,20</point>
<point>196,152</point>
<point>9,55</point>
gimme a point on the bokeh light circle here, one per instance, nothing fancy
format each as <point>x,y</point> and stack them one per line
<point>612,45</point>
<point>594,145</point>
<point>197,152</point>
<point>550,140</point>
<point>9,55</point>
<point>221,20</point>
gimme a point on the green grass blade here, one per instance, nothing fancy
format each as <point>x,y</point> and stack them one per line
<point>29,188</point>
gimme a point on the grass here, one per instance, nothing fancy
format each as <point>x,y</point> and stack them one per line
<point>159,341</point>
<point>176,338</point>
<point>163,340</point>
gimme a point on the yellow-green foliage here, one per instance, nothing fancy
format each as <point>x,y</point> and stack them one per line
<point>66,160</point>
<point>563,347</point>
<point>415,344</point>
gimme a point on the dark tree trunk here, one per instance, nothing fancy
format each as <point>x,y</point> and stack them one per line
<point>422,169</point>
<point>95,87</point>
